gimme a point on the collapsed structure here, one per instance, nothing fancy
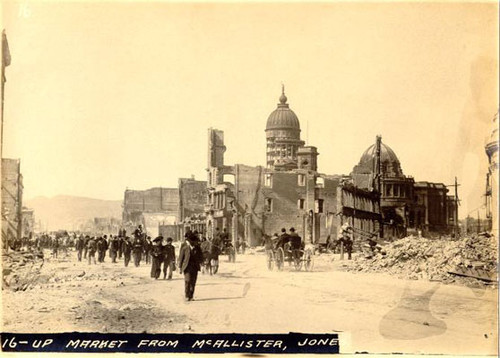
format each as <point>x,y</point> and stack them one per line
<point>17,221</point>
<point>290,191</point>
<point>376,198</point>
<point>12,200</point>
<point>469,260</point>
<point>166,211</point>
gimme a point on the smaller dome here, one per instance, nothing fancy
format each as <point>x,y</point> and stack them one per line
<point>389,161</point>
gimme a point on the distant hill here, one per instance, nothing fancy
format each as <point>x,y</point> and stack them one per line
<point>68,212</point>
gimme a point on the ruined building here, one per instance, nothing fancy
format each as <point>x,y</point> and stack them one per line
<point>404,203</point>
<point>12,200</point>
<point>290,191</point>
<point>491,148</point>
<point>28,222</point>
<point>251,202</point>
<point>165,211</point>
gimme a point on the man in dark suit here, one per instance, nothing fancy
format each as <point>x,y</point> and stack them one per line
<point>295,244</point>
<point>126,249</point>
<point>190,258</point>
<point>168,259</point>
<point>79,247</point>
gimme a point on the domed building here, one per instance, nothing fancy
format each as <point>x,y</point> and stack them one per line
<point>396,189</point>
<point>404,203</point>
<point>283,137</point>
<point>390,165</point>
<point>253,202</point>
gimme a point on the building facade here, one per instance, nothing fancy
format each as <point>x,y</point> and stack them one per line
<point>12,200</point>
<point>405,204</point>
<point>491,149</point>
<point>192,201</point>
<point>251,202</point>
<point>377,197</point>
<point>164,211</point>
<point>28,222</point>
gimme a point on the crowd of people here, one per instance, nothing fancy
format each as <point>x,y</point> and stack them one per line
<point>196,252</point>
<point>139,248</point>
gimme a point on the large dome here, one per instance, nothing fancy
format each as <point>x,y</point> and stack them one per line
<point>283,117</point>
<point>389,162</point>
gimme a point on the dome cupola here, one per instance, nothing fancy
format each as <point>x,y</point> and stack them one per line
<point>283,117</point>
<point>389,162</point>
<point>283,136</point>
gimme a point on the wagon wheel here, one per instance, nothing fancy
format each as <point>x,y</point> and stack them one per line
<point>280,258</point>
<point>308,260</point>
<point>270,260</point>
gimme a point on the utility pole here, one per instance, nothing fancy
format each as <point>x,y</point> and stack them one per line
<point>456,207</point>
<point>457,202</point>
<point>478,223</point>
<point>377,180</point>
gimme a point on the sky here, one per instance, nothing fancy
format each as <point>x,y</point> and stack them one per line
<point>101,97</point>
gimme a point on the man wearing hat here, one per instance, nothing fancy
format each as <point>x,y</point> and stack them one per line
<point>127,250</point>
<point>295,244</point>
<point>190,258</point>
<point>168,259</point>
<point>347,239</point>
<point>113,248</point>
<point>283,239</point>
<point>137,250</point>
<point>92,248</point>
<point>157,255</point>
<point>79,247</point>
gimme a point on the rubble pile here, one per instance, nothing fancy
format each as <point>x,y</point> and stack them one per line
<point>21,269</point>
<point>421,258</point>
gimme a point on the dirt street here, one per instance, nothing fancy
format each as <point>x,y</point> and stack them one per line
<point>372,312</point>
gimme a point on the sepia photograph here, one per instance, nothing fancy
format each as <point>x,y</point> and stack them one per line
<point>249,177</point>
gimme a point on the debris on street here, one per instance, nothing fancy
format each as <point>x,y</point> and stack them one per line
<point>469,261</point>
<point>21,269</point>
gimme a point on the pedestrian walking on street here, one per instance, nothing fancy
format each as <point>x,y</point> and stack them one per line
<point>347,241</point>
<point>137,251</point>
<point>190,259</point>
<point>215,250</point>
<point>237,245</point>
<point>120,244</point>
<point>106,246</point>
<point>92,248</point>
<point>101,249</point>
<point>147,249</point>
<point>55,247</point>
<point>79,247</point>
<point>127,250</point>
<point>113,248</point>
<point>157,257</point>
<point>168,259</point>
<point>85,246</point>
<point>206,248</point>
